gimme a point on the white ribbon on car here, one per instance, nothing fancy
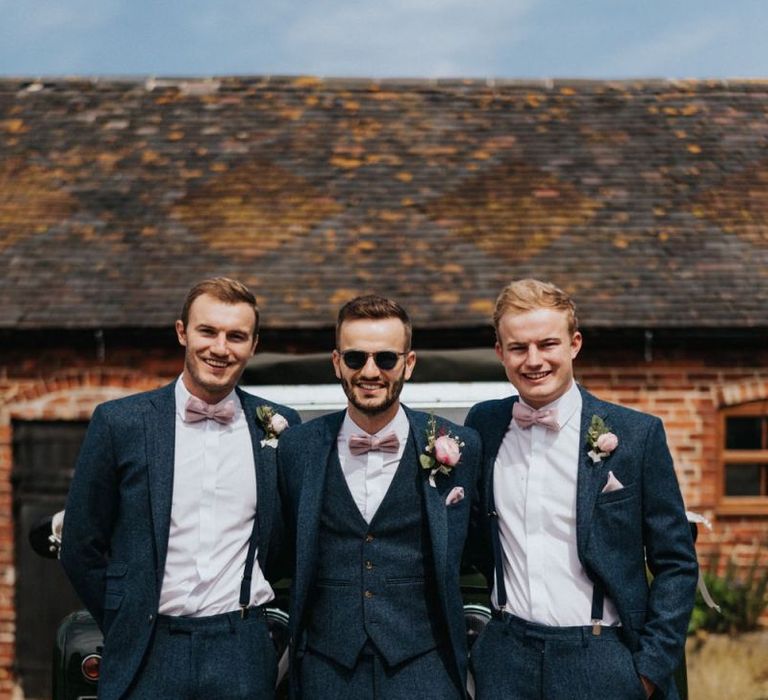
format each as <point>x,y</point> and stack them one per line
<point>702,586</point>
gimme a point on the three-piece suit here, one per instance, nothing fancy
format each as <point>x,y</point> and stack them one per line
<point>384,593</point>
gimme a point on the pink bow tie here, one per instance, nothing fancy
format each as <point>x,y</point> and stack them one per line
<point>525,416</point>
<point>197,410</point>
<point>360,444</point>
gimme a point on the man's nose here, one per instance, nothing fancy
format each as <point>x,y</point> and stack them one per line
<point>533,358</point>
<point>370,368</point>
<point>220,344</point>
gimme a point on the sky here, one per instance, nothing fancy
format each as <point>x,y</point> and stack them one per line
<point>512,39</point>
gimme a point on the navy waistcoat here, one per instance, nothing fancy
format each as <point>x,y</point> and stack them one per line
<point>374,582</point>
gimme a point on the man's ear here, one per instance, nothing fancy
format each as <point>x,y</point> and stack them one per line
<point>410,363</point>
<point>336,359</point>
<point>181,333</point>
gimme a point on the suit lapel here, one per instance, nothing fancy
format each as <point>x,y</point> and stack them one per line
<point>590,476</point>
<point>433,498</point>
<point>317,454</point>
<point>266,473</point>
<point>492,434</point>
<point>160,427</point>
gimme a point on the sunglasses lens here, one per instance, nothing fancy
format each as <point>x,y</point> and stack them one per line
<point>354,359</point>
<point>385,359</point>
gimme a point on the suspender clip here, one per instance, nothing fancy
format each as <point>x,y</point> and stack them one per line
<point>596,627</point>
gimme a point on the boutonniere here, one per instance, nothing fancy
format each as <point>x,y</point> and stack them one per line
<point>273,424</point>
<point>442,452</point>
<point>600,439</point>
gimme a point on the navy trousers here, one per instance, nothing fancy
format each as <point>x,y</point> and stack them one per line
<point>425,677</point>
<point>222,656</point>
<point>517,660</point>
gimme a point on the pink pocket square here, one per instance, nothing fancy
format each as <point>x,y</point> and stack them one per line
<point>613,484</point>
<point>455,495</point>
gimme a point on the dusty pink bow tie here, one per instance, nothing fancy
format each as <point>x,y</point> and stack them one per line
<point>525,416</point>
<point>360,444</point>
<point>197,410</point>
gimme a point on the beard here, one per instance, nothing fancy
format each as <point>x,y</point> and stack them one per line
<point>371,407</point>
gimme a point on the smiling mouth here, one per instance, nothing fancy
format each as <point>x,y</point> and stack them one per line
<point>365,386</point>
<point>215,364</point>
<point>535,376</point>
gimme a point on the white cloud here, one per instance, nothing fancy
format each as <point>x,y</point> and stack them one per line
<point>405,37</point>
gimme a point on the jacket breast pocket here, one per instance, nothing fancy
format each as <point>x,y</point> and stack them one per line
<point>626,493</point>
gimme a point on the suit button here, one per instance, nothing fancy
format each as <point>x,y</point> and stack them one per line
<point>369,565</point>
<point>369,537</point>
<point>151,617</point>
<point>369,594</point>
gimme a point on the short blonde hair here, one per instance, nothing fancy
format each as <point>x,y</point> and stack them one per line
<point>524,295</point>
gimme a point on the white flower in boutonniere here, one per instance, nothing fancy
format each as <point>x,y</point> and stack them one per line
<point>273,424</point>
<point>442,452</point>
<point>600,439</point>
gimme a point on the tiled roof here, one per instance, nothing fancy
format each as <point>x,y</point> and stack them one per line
<point>648,200</point>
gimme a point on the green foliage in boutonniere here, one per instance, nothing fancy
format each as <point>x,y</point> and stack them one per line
<point>273,424</point>
<point>600,439</point>
<point>442,452</point>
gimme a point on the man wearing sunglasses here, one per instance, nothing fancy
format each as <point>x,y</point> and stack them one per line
<point>377,501</point>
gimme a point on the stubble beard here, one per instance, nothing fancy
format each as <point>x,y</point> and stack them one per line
<point>393,396</point>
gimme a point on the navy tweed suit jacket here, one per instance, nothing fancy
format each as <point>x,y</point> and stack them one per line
<point>118,514</point>
<point>618,532</point>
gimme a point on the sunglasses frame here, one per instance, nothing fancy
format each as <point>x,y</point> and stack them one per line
<point>374,355</point>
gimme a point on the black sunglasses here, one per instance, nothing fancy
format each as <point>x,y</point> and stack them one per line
<point>384,359</point>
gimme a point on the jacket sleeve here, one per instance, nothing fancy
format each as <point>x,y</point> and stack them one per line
<point>89,516</point>
<point>671,559</point>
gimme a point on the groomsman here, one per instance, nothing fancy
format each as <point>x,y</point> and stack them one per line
<point>578,497</point>
<point>378,500</point>
<point>173,516</point>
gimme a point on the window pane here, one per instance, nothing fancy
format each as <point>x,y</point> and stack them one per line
<point>743,479</point>
<point>743,433</point>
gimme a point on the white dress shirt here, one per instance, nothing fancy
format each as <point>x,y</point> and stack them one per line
<point>534,486</point>
<point>369,475</point>
<point>214,504</point>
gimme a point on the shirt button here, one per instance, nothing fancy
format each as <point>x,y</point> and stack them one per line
<point>369,537</point>
<point>369,594</point>
<point>369,565</point>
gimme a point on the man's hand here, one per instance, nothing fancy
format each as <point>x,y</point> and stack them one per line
<point>649,687</point>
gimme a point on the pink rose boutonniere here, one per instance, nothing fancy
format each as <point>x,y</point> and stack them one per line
<point>273,424</point>
<point>442,452</point>
<point>601,440</point>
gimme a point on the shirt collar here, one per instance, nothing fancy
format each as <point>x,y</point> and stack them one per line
<point>399,425</point>
<point>182,395</point>
<point>568,405</point>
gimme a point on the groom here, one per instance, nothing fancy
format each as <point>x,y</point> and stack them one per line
<point>378,499</point>
<point>578,496</point>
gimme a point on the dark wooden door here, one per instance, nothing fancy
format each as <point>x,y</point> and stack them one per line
<point>44,455</point>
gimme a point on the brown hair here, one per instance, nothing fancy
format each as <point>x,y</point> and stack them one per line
<point>372,306</point>
<point>224,289</point>
<point>524,295</point>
